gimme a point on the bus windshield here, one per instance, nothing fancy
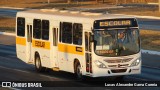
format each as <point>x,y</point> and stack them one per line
<point>116,42</point>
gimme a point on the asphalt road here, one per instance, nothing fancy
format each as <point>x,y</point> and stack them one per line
<point>8,12</point>
<point>13,69</point>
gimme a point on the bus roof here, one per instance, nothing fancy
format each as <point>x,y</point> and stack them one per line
<point>71,14</point>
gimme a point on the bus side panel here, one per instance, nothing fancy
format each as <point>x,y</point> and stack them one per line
<point>21,41</point>
<point>71,61</point>
<point>21,48</point>
<point>44,52</point>
<point>66,61</point>
<point>67,55</point>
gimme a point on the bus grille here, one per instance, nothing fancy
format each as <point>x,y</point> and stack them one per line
<point>119,60</point>
<point>118,70</point>
<point>118,66</point>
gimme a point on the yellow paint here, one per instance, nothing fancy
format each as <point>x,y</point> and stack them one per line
<point>41,44</point>
<point>69,49</point>
<point>21,41</point>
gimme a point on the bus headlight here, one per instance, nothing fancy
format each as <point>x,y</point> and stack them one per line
<point>100,64</point>
<point>136,62</point>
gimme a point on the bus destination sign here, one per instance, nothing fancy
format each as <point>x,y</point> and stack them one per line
<point>115,23</point>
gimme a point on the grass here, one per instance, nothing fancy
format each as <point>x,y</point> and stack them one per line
<point>7,24</point>
<point>150,39</point>
<point>62,3</point>
<point>143,11</point>
<point>42,3</point>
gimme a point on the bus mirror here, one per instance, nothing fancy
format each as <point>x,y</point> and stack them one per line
<point>92,38</point>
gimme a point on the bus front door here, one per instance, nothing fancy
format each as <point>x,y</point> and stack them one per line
<point>88,55</point>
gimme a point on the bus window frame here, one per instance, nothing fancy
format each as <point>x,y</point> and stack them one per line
<point>76,33</point>
<point>24,26</point>
<point>35,29</point>
<point>45,30</point>
<point>65,36</point>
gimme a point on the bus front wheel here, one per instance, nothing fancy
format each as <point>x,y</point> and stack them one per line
<point>78,72</point>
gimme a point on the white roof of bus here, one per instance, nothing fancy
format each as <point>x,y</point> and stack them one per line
<point>65,13</point>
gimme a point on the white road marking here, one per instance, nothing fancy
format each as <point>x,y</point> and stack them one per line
<point>15,69</point>
<point>9,34</point>
<point>5,58</point>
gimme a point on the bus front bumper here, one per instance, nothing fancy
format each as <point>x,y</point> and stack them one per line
<point>102,72</point>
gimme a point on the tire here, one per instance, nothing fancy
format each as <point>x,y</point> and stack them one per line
<point>78,72</point>
<point>38,65</point>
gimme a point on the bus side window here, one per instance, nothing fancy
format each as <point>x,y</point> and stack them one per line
<point>20,26</point>
<point>67,32</point>
<point>77,34</point>
<point>45,29</point>
<point>37,29</point>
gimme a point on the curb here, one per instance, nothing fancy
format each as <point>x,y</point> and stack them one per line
<point>153,3</point>
<point>9,34</point>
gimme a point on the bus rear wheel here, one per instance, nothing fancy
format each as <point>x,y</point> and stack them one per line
<point>38,65</point>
